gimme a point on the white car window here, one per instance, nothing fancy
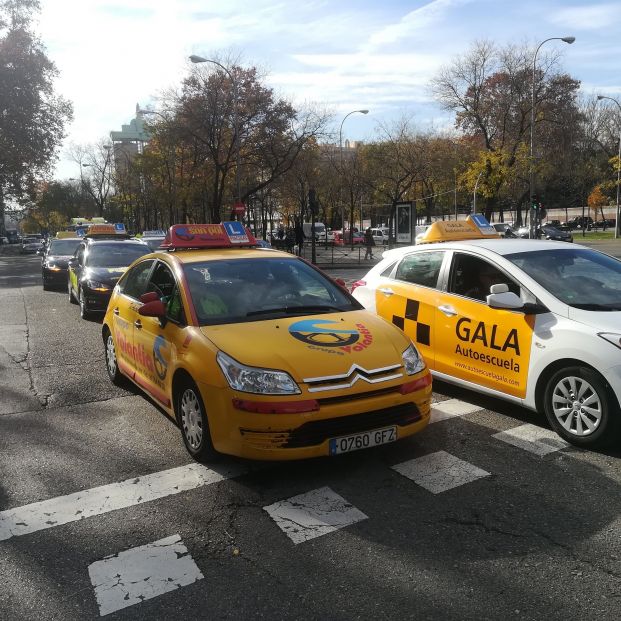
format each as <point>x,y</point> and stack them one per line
<point>421,268</point>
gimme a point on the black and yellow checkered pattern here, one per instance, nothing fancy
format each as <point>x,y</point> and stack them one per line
<point>410,315</point>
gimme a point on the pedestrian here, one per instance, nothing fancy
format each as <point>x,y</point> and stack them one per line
<point>299,238</point>
<point>369,242</point>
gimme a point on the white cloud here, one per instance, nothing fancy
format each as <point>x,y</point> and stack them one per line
<point>588,16</point>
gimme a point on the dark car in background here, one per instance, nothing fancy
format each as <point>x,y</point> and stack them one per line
<point>505,230</point>
<point>551,232</point>
<point>55,261</point>
<point>95,269</point>
<point>546,231</point>
<point>31,244</point>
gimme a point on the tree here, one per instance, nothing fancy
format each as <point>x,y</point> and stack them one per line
<point>597,199</point>
<point>33,118</point>
<point>489,89</point>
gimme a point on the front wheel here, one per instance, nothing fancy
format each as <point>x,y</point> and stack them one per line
<point>112,366</point>
<point>193,422</point>
<point>85,313</point>
<point>581,407</point>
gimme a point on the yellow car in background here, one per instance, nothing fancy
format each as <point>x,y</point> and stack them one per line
<point>256,353</point>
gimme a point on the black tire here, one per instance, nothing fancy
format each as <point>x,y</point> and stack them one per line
<point>112,367</point>
<point>582,408</point>
<point>70,292</point>
<point>85,313</point>
<point>192,418</point>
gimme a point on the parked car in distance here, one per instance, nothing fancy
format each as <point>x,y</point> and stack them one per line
<point>551,232</point>
<point>340,238</point>
<point>504,229</point>
<point>31,245</point>
<point>380,236</point>
<point>580,222</point>
<point>327,235</point>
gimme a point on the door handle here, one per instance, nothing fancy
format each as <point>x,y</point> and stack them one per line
<point>449,311</point>
<point>138,324</point>
<point>386,291</point>
<point>116,310</point>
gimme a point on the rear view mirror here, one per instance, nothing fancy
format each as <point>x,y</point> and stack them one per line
<point>153,309</point>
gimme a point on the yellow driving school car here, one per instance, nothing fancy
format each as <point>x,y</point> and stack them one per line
<point>257,353</point>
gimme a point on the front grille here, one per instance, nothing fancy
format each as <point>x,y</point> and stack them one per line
<point>382,392</point>
<point>316,432</point>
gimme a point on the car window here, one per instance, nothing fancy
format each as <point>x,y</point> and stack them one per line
<point>115,254</point>
<point>472,277</point>
<point>388,271</point>
<point>581,278</point>
<point>134,283</point>
<point>420,268</point>
<point>236,290</point>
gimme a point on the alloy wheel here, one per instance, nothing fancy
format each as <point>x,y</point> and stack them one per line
<point>191,418</point>
<point>577,406</point>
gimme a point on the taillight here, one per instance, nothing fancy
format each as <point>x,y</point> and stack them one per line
<point>358,283</point>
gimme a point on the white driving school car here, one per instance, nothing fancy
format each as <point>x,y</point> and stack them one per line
<point>535,322</point>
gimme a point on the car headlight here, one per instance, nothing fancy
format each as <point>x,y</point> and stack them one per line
<point>256,380</point>
<point>412,361</point>
<point>50,265</point>
<point>611,337</point>
<point>95,285</point>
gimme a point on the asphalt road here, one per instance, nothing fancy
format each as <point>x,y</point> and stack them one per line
<point>103,513</point>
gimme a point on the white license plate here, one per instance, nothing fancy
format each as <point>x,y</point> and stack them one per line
<point>365,439</point>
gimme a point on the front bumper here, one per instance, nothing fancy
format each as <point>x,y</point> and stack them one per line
<point>96,301</point>
<point>55,276</point>
<point>300,436</point>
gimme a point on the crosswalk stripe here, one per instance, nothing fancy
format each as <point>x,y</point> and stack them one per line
<point>141,573</point>
<point>441,410</point>
<point>534,439</point>
<point>439,472</point>
<point>313,514</point>
<point>98,500</point>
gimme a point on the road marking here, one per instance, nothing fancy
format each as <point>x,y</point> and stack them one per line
<point>451,408</point>
<point>313,514</point>
<point>142,573</point>
<point>439,472</point>
<point>533,439</point>
<point>98,500</point>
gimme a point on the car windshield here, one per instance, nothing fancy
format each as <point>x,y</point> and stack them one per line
<point>64,246</point>
<point>579,277</point>
<point>238,290</point>
<point>115,254</point>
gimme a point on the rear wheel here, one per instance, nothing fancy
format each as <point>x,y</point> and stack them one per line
<point>193,422</point>
<point>582,408</point>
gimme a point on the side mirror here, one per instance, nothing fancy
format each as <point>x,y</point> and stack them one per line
<point>151,296</point>
<point>341,283</point>
<point>153,309</point>
<point>505,299</point>
<point>73,261</point>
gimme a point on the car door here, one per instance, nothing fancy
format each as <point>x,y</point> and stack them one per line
<point>125,305</point>
<point>156,341</point>
<point>489,347</point>
<point>75,268</point>
<point>409,296</point>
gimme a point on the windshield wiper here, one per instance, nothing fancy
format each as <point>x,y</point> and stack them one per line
<point>292,310</point>
<point>598,307</point>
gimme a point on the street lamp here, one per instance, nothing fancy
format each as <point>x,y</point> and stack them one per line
<point>351,232</point>
<point>199,59</point>
<point>600,97</point>
<point>569,40</point>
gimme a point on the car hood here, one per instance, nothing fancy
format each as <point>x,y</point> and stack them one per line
<point>313,346</point>
<point>104,274</point>
<point>602,321</point>
<point>59,259</point>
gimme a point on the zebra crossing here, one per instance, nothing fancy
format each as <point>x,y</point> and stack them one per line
<point>152,569</point>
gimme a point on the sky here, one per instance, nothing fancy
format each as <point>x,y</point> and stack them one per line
<point>343,55</point>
